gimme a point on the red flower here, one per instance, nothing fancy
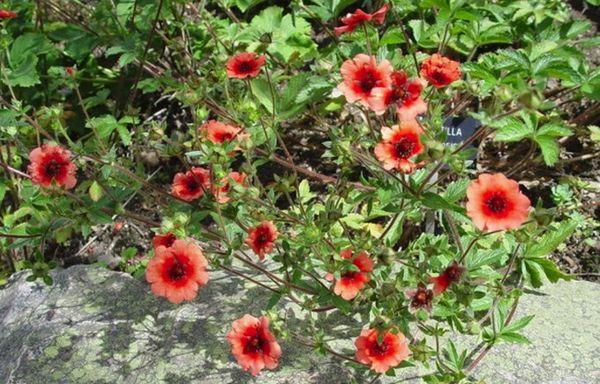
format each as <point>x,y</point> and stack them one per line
<point>399,145</point>
<point>178,271</point>
<point>253,345</point>
<point>245,64</point>
<point>420,298</point>
<point>495,202</point>
<point>359,17</point>
<point>5,14</point>
<point>392,350</point>
<point>352,281</point>
<point>450,275</point>
<point>52,164</point>
<point>219,133</point>
<point>165,240</point>
<point>440,71</point>
<point>225,184</point>
<point>118,226</point>
<point>404,93</point>
<point>192,184</point>
<point>262,238</point>
<point>361,75</point>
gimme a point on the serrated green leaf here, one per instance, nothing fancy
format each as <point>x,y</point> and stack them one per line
<point>547,243</point>
<point>512,129</point>
<point>549,147</point>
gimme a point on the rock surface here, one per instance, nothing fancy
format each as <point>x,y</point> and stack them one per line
<point>98,326</point>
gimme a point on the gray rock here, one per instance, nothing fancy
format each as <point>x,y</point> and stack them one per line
<point>98,326</point>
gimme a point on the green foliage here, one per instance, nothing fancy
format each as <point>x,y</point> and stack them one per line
<point>126,86</point>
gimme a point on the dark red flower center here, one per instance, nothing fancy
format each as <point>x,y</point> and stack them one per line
<point>380,349</point>
<point>405,147</point>
<point>453,273</point>
<point>245,66</point>
<point>168,240</point>
<point>439,77</point>
<point>351,275</point>
<point>263,237</point>
<point>177,270</point>
<point>53,168</point>
<point>224,136</point>
<point>422,297</point>
<point>255,342</point>
<point>368,79</point>
<point>496,203</point>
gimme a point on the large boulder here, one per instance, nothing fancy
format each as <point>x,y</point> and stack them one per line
<point>98,326</point>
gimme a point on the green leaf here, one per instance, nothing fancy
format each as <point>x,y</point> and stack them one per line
<point>435,201</point>
<point>25,74</point>
<point>554,130</point>
<point>549,147</point>
<point>518,324</point>
<point>261,89</point>
<point>273,300</point>
<point>95,191</point>
<point>514,337</point>
<point>512,129</point>
<point>551,240</point>
<point>456,190</point>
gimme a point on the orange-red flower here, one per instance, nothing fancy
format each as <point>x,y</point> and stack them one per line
<point>165,240</point>
<point>403,92</point>
<point>392,350</point>
<point>399,145</point>
<point>253,345</point>
<point>6,14</point>
<point>245,64</point>
<point>450,275</point>
<point>262,238</point>
<point>361,75</point>
<point>420,298</point>
<point>495,202</point>
<point>352,281</point>
<point>359,17</point>
<point>440,71</point>
<point>192,184</point>
<point>219,133</point>
<point>222,189</point>
<point>178,271</point>
<point>52,164</point>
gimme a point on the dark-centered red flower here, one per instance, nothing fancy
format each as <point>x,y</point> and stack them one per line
<point>381,356</point>
<point>399,145</point>
<point>165,240</point>
<point>6,14</point>
<point>353,20</point>
<point>440,71</point>
<point>262,238</point>
<point>51,164</point>
<point>219,133</point>
<point>450,275</point>
<point>178,271</point>
<point>253,345</point>
<point>245,64</point>
<point>192,184</point>
<point>404,93</point>
<point>420,298</point>
<point>361,75</point>
<point>495,202</point>
<point>352,281</point>
<point>221,190</point>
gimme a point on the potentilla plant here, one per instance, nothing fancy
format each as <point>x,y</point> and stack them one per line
<point>405,232</point>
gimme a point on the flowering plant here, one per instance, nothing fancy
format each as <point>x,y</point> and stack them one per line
<point>384,217</point>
